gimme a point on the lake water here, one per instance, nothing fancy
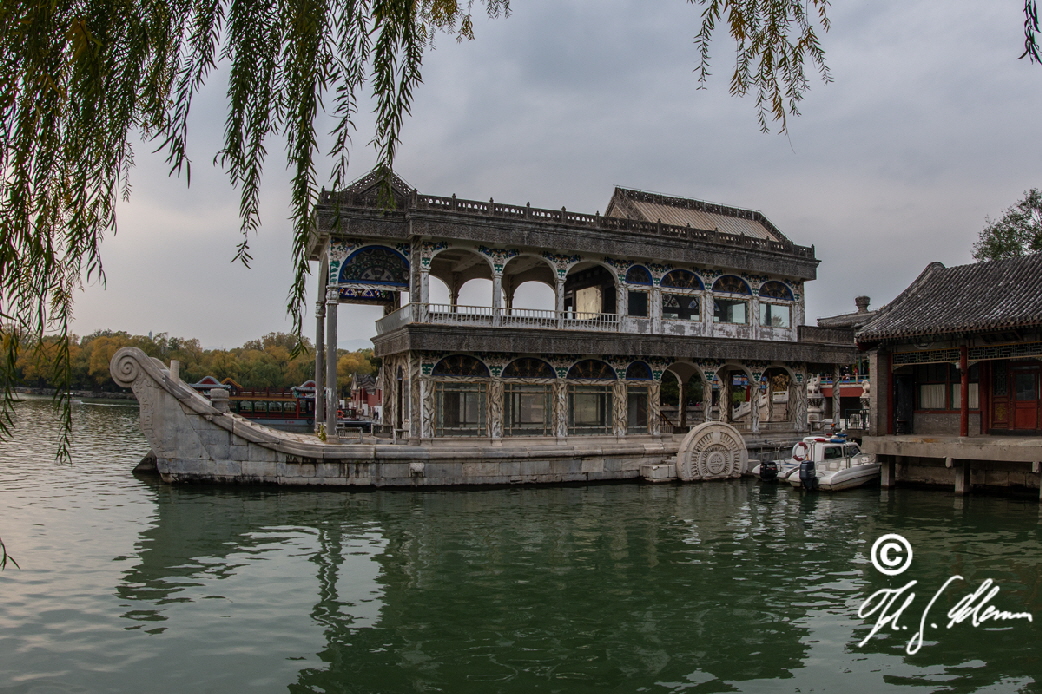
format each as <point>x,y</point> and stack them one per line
<point>130,585</point>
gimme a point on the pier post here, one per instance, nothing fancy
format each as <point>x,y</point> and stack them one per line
<point>962,477</point>
<point>887,471</point>
<point>332,301</point>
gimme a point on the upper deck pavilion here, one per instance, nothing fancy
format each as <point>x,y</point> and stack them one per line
<point>636,225</point>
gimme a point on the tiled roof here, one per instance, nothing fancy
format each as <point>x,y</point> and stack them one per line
<point>846,320</point>
<point>996,295</point>
<point>708,216</point>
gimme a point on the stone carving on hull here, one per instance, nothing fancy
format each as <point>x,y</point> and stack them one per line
<point>712,450</point>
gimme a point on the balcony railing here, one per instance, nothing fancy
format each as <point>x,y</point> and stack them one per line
<point>486,316</point>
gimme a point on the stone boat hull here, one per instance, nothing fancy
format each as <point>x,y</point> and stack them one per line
<point>195,442</point>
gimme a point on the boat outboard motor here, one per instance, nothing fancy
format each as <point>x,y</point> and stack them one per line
<point>808,476</point>
<point>769,471</point>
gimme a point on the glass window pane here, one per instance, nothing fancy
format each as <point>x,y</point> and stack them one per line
<point>589,410</point>
<point>1025,386</point>
<point>729,311</point>
<point>638,303</point>
<point>637,410</point>
<point>775,315</point>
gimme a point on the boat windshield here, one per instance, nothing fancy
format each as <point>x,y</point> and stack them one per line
<point>852,450</point>
<point>833,452</point>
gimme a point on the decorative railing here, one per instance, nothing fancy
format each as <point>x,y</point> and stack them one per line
<point>491,317</point>
<point>564,216</point>
<point>486,316</point>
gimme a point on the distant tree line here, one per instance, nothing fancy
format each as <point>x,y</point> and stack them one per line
<point>267,362</point>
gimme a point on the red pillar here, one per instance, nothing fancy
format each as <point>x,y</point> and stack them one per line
<point>964,398</point>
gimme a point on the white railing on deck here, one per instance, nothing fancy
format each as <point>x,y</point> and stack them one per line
<point>447,314</point>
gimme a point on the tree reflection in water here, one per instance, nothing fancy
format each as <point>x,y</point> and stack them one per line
<point>610,587</point>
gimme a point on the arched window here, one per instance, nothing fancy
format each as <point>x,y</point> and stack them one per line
<point>591,369</point>
<point>731,284</point>
<point>776,290</point>
<point>682,279</point>
<point>528,367</point>
<point>460,365</point>
<point>638,371</point>
<point>376,265</point>
<point>638,275</point>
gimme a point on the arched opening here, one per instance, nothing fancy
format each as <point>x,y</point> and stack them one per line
<point>527,392</point>
<point>590,290</point>
<point>737,391</point>
<point>638,292</point>
<point>775,305</point>
<point>776,410</point>
<point>528,285</point>
<point>460,384</point>
<point>591,398</point>
<point>681,397</point>
<point>638,379</point>
<point>467,277</point>
<point>729,302</point>
<point>374,276</point>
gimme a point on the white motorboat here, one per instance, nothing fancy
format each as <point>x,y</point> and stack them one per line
<point>835,464</point>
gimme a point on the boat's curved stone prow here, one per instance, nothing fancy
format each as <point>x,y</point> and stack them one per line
<point>195,442</point>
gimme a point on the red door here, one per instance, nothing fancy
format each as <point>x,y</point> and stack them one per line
<point>1025,398</point>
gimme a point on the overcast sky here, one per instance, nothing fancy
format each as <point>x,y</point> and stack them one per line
<point>930,126</point>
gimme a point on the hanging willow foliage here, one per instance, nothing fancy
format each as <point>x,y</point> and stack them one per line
<point>81,79</point>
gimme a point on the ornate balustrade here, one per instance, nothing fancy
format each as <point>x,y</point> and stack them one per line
<point>490,317</point>
<point>564,216</point>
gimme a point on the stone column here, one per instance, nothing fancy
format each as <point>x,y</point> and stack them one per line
<point>619,402</point>
<point>332,302</point>
<point>320,360</point>
<point>454,287</point>
<point>754,316</point>
<point>415,423</point>
<point>559,300</point>
<point>497,298</point>
<point>836,407</point>
<point>655,309</point>
<point>560,405</point>
<point>707,313</point>
<point>725,397</point>
<point>494,411</point>
<point>798,403</point>
<point>654,393</point>
<point>427,407</point>
<point>320,344</point>
<point>416,274</point>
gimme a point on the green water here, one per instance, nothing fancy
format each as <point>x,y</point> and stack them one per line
<point>131,585</point>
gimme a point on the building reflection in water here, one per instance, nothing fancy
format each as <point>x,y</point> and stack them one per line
<point>576,588</point>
